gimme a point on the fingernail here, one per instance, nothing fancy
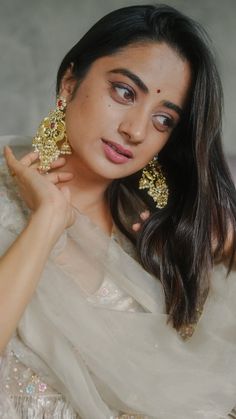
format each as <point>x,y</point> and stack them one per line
<point>136,226</point>
<point>144,215</point>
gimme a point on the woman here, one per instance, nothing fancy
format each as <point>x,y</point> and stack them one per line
<point>112,270</point>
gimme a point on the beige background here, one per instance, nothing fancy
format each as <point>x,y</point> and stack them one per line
<point>35,35</point>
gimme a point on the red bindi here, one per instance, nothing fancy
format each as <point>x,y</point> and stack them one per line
<point>158,90</point>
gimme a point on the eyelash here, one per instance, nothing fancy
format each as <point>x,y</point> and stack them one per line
<point>116,86</point>
<point>162,127</point>
<point>169,123</point>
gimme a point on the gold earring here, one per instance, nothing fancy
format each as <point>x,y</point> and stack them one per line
<point>52,130</point>
<point>154,181</point>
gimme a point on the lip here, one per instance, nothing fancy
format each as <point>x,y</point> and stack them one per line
<point>112,154</point>
<point>120,148</point>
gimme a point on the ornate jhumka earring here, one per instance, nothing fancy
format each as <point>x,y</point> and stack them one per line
<point>154,181</point>
<point>51,131</point>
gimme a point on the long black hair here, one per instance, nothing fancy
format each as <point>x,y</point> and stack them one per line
<point>175,243</point>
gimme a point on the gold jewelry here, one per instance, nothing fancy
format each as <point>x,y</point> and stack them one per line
<point>154,180</point>
<point>186,331</point>
<point>52,130</point>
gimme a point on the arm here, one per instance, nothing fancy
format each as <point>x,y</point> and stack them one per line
<point>21,267</point>
<point>22,264</point>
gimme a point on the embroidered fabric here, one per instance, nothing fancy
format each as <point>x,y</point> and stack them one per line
<point>120,360</point>
<point>32,397</point>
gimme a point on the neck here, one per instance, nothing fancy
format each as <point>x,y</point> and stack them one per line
<point>88,193</point>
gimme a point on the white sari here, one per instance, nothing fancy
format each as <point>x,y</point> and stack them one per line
<point>96,341</point>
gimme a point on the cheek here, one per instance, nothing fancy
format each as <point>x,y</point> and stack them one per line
<point>80,115</point>
<point>154,145</point>
<point>74,126</point>
<point>103,115</point>
<point>89,118</point>
<point>91,108</point>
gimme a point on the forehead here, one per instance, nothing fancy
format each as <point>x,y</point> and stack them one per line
<point>157,64</point>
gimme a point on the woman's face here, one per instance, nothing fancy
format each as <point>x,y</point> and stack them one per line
<point>126,108</point>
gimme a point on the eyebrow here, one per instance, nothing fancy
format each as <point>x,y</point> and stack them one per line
<point>144,88</point>
<point>173,106</point>
<point>132,76</point>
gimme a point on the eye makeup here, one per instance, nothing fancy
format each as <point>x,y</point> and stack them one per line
<point>163,122</point>
<point>122,92</point>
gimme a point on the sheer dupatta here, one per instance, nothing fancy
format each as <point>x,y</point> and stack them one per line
<point>102,359</point>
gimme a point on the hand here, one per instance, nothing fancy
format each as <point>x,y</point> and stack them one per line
<point>42,190</point>
<point>144,216</point>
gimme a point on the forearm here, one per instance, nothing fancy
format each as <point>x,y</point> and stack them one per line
<point>21,267</point>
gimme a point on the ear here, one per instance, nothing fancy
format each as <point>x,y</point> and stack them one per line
<point>68,83</point>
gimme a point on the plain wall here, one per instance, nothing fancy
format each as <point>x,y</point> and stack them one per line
<point>35,35</point>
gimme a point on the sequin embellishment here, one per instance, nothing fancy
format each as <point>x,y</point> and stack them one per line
<point>30,389</point>
<point>29,393</point>
<point>21,379</point>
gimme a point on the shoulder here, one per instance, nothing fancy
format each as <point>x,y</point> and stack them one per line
<point>13,212</point>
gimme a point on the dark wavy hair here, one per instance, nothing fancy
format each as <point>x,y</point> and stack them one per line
<point>175,243</point>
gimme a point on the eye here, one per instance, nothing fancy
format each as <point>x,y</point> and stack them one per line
<point>163,122</point>
<point>123,93</point>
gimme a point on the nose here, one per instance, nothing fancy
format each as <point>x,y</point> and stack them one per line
<point>134,126</point>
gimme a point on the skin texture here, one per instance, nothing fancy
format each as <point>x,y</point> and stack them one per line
<point>111,106</point>
<point>96,109</point>
<point>100,110</point>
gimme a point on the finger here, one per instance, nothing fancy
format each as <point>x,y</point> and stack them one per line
<point>58,163</point>
<point>57,177</point>
<point>54,165</point>
<point>29,158</point>
<point>144,215</point>
<point>136,227</point>
<point>12,163</point>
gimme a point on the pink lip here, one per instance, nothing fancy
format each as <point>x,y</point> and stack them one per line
<point>119,147</point>
<point>112,154</point>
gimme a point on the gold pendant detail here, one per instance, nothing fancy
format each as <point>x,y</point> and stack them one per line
<point>51,131</point>
<point>154,181</point>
